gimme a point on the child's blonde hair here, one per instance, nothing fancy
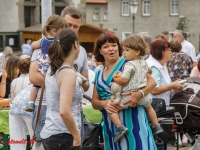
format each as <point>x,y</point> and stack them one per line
<point>54,22</point>
<point>136,43</point>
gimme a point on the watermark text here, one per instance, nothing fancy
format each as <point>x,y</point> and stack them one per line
<point>12,141</point>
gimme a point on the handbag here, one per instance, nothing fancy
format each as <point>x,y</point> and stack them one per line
<point>158,105</point>
<point>37,145</point>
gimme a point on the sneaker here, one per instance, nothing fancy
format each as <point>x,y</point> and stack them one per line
<point>157,129</point>
<point>30,107</point>
<point>121,131</point>
<point>179,140</point>
<point>184,140</point>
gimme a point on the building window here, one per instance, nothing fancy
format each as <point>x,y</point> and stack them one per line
<point>29,16</point>
<point>12,40</point>
<point>96,14</point>
<point>58,10</point>
<point>174,7</point>
<point>125,8</point>
<point>1,41</point>
<point>125,35</point>
<point>59,1</point>
<point>105,16</point>
<point>40,14</point>
<point>146,7</point>
<point>27,0</point>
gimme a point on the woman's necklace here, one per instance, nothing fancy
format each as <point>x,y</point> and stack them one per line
<point>106,67</point>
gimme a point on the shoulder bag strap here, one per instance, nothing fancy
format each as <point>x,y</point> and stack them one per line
<point>38,111</point>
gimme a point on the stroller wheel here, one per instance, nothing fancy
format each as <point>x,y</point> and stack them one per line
<point>158,140</point>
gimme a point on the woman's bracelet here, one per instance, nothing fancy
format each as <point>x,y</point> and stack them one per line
<point>141,93</point>
<point>3,83</point>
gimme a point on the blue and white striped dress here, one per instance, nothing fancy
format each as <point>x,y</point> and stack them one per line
<point>139,136</point>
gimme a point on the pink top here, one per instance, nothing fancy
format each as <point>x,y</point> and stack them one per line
<point>195,72</point>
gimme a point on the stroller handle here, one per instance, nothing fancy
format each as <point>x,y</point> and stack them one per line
<point>87,97</point>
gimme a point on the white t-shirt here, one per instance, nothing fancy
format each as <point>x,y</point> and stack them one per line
<point>26,49</point>
<point>91,76</point>
<point>81,62</point>
<point>189,49</point>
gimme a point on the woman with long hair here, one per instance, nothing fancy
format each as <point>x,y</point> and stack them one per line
<point>11,72</point>
<point>19,120</point>
<point>62,129</point>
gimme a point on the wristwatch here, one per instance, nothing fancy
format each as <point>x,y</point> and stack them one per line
<point>141,93</point>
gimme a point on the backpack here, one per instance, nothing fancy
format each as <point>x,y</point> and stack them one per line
<point>187,105</point>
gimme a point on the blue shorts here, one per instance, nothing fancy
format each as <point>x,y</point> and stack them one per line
<point>37,86</point>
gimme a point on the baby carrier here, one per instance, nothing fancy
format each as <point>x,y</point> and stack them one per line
<point>187,105</point>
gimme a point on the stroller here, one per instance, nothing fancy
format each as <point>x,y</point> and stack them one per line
<point>164,114</point>
<point>93,135</point>
<point>187,109</point>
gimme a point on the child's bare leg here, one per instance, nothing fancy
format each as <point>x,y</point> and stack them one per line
<point>33,93</point>
<point>152,115</point>
<point>115,119</point>
<point>153,118</point>
<point>121,129</point>
<point>31,104</point>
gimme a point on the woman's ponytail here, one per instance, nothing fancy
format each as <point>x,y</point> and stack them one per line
<point>56,56</point>
<point>60,48</point>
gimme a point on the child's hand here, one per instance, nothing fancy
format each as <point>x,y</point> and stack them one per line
<point>117,74</point>
<point>4,74</point>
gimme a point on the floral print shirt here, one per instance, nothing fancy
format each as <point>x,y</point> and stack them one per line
<point>43,62</point>
<point>179,66</point>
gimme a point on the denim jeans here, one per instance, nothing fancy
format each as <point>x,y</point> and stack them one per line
<point>41,120</point>
<point>61,141</point>
<point>82,128</point>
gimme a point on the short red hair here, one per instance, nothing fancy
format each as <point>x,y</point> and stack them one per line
<point>103,38</point>
<point>157,48</point>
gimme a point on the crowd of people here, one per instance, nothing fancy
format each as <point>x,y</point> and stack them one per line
<point>57,70</point>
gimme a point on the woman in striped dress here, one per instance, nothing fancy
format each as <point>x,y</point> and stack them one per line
<point>139,136</point>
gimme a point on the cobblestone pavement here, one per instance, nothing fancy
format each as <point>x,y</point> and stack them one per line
<point>173,147</point>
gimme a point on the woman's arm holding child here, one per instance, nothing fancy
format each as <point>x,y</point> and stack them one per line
<point>136,96</point>
<point>99,104</point>
<point>35,76</point>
